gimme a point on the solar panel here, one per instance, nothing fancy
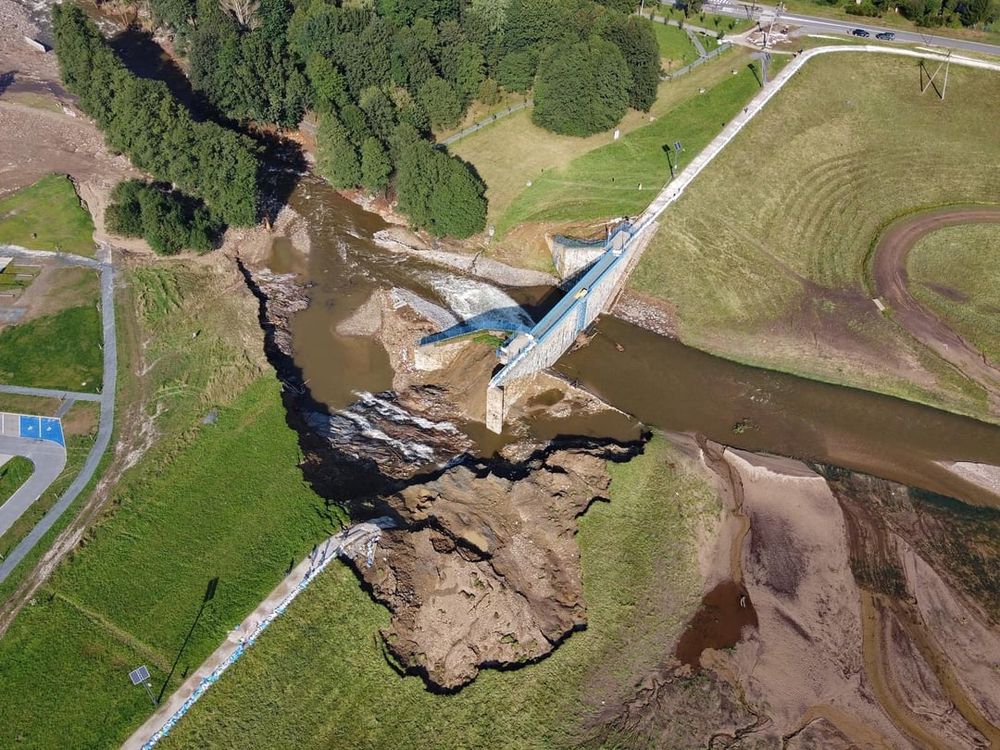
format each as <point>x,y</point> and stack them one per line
<point>139,676</point>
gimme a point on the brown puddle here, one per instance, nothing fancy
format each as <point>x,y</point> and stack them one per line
<point>718,623</point>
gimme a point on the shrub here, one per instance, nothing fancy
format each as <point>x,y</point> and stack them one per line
<point>581,88</point>
<point>167,220</point>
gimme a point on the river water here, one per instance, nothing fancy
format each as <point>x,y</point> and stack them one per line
<point>661,382</point>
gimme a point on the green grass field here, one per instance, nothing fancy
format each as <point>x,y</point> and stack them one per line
<point>230,504</point>
<point>318,679</point>
<point>763,259</point>
<point>955,272</point>
<point>621,178</point>
<point>514,151</point>
<point>675,45</point>
<point>47,216</point>
<point>13,474</point>
<point>61,350</point>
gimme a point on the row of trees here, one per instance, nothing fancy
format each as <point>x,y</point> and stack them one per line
<point>141,118</point>
<point>166,219</point>
<point>378,71</point>
<point>955,13</point>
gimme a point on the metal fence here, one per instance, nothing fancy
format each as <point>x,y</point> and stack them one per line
<point>488,121</point>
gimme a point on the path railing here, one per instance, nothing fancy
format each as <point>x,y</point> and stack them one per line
<point>487,121</point>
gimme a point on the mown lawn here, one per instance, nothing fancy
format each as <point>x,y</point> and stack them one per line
<point>675,45</point>
<point>230,504</point>
<point>61,350</point>
<point>763,258</point>
<point>318,679</point>
<point>622,177</point>
<point>13,474</point>
<point>513,151</point>
<point>955,271</point>
<point>711,21</point>
<point>47,216</point>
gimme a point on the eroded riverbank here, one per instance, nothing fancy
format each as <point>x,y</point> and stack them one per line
<point>452,574</point>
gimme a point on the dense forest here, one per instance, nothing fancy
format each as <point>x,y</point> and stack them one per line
<point>381,75</point>
<point>142,119</point>
<point>384,75</point>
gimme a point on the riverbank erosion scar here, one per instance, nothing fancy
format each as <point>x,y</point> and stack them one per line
<point>486,571</point>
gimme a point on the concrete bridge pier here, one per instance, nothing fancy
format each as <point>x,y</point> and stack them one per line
<point>496,409</point>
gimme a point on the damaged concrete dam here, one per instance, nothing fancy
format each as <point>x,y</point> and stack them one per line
<point>484,570</point>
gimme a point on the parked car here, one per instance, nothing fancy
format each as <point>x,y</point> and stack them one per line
<point>861,32</point>
<point>886,36</point>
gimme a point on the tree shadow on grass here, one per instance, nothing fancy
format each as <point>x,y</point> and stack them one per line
<point>209,595</point>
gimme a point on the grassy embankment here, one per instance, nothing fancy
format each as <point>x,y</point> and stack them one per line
<point>47,216</point>
<point>586,179</point>
<point>763,259</point>
<point>675,45</point>
<point>955,272</point>
<point>13,474</point>
<point>208,499</point>
<point>60,348</point>
<point>318,679</point>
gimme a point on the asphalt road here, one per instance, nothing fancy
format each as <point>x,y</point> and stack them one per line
<point>817,25</point>
<point>49,459</point>
<point>107,397</point>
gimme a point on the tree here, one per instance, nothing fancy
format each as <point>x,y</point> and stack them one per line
<point>403,12</point>
<point>375,166</point>
<point>380,114</point>
<point>517,70</point>
<point>489,92</point>
<point>166,219</point>
<point>438,192</point>
<point>440,102</point>
<point>471,71</point>
<point>492,12</point>
<point>637,43</point>
<point>411,64</point>
<point>141,118</point>
<point>336,158</point>
<point>582,88</point>
<point>329,90</point>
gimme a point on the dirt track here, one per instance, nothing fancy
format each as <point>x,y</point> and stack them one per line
<point>892,286</point>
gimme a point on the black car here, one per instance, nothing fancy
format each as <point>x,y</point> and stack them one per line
<point>861,32</point>
<point>885,36</point>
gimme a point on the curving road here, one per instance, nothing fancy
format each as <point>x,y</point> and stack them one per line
<point>49,460</point>
<point>843,27</point>
<point>107,396</point>
<point>892,285</point>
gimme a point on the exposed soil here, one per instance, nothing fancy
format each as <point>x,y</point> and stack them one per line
<point>486,570</point>
<point>484,567</point>
<point>892,285</point>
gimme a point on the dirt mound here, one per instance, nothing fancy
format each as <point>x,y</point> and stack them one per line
<point>486,569</point>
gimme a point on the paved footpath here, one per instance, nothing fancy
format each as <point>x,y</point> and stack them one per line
<point>360,538</point>
<point>49,460</point>
<point>106,397</point>
<point>676,187</point>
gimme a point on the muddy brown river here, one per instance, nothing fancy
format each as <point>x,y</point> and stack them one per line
<point>662,382</point>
